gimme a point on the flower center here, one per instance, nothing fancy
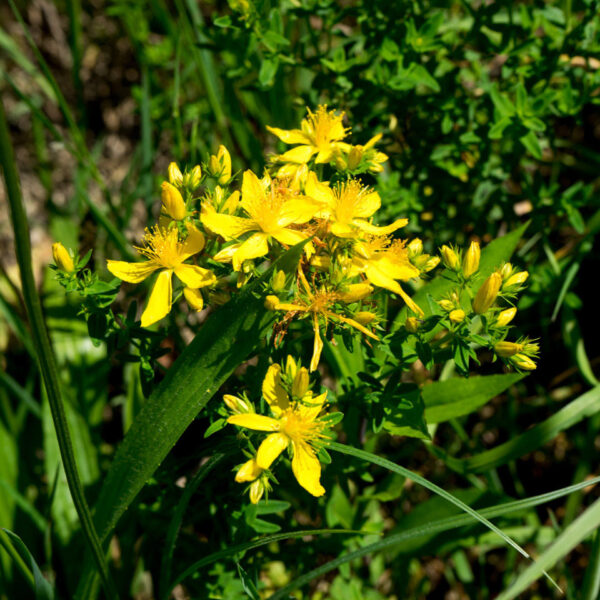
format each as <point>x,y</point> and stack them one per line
<point>162,247</point>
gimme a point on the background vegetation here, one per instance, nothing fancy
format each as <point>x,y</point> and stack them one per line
<point>490,115</point>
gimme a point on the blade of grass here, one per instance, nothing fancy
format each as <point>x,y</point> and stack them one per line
<point>45,356</point>
<point>575,533</point>
<point>6,543</point>
<point>577,410</point>
<point>434,527</point>
<point>591,581</point>
<point>387,464</point>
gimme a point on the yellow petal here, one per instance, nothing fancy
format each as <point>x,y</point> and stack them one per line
<point>254,421</point>
<point>249,471</point>
<point>228,226</point>
<point>299,155</point>
<point>252,190</point>
<point>369,204</point>
<point>325,155</point>
<point>354,324</point>
<point>317,345</point>
<point>194,298</point>
<point>231,203</point>
<point>195,277</point>
<point>255,246</point>
<point>342,230</point>
<point>310,411</point>
<point>289,136</point>
<point>395,268</point>
<point>273,391</point>
<point>375,230</point>
<point>298,211</point>
<point>131,272</point>
<point>273,445</point>
<point>288,237</point>
<point>193,243</point>
<point>319,191</point>
<point>159,303</point>
<point>307,469</point>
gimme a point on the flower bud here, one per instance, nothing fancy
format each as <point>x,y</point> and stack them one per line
<point>194,298</point>
<point>291,367</point>
<point>505,317</point>
<point>471,260</point>
<point>213,166</point>
<point>415,248</point>
<point>364,317</point>
<point>237,406</point>
<point>446,304</point>
<point>450,258</point>
<point>516,279</point>
<point>457,316</point>
<point>506,349</point>
<point>355,292</point>
<point>271,302</point>
<point>340,163</point>
<point>278,282</point>
<point>300,384</point>
<point>487,294</point>
<point>173,201</point>
<point>175,176</point>
<point>523,362</point>
<point>421,261</point>
<point>194,177</point>
<point>411,324</point>
<point>224,159</point>
<point>62,259</point>
<point>249,471</point>
<point>506,270</point>
<point>257,489</point>
<point>432,263</point>
<point>354,157</point>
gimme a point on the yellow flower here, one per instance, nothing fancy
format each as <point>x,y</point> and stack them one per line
<point>347,208</point>
<point>62,258</point>
<point>506,349</point>
<point>319,134</point>
<point>450,258</point>
<point>471,260</point>
<point>167,253</point>
<point>175,175</point>
<point>321,303</point>
<point>366,157</point>
<point>270,212</point>
<point>172,201</point>
<point>505,317</point>
<point>220,165</point>
<point>384,261</point>
<point>487,294</point>
<point>294,424</point>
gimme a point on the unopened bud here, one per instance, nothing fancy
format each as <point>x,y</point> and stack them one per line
<point>457,316</point>
<point>300,384</point>
<point>224,159</point>
<point>278,282</point>
<point>450,258</point>
<point>412,324</point>
<point>471,259</point>
<point>506,349</point>
<point>516,279</point>
<point>420,261</point>
<point>523,362</point>
<point>236,405</point>
<point>431,263</point>
<point>62,259</point>
<point>194,177</point>
<point>506,316</point>
<point>354,157</point>
<point>249,471</point>
<point>355,292</point>
<point>415,248</point>
<point>194,298</point>
<point>257,489</point>
<point>364,317</point>
<point>487,294</point>
<point>506,270</point>
<point>172,201</point>
<point>213,166</point>
<point>340,163</point>
<point>271,302</point>
<point>175,176</point>
<point>290,366</point>
<point>446,304</point>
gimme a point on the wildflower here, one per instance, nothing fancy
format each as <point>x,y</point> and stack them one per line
<point>471,260</point>
<point>487,294</point>
<point>175,176</point>
<point>62,258</point>
<point>361,158</point>
<point>347,207</point>
<point>320,134</point>
<point>516,279</point>
<point>383,262</point>
<point>505,317</point>
<point>172,201</point>
<point>294,425</point>
<point>321,304</point>
<point>457,315</point>
<point>506,349</point>
<point>192,179</point>
<point>167,253</point>
<point>270,214</point>
<point>523,362</point>
<point>220,165</point>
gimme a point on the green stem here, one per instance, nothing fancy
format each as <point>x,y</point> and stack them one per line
<point>591,581</point>
<point>45,355</point>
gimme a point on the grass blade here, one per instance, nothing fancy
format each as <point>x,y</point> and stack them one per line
<point>45,355</point>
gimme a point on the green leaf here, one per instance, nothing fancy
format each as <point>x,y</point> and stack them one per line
<point>43,589</point>
<point>223,342</point>
<point>583,407</point>
<point>456,397</point>
<point>575,533</point>
<point>404,410</point>
<point>531,142</point>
